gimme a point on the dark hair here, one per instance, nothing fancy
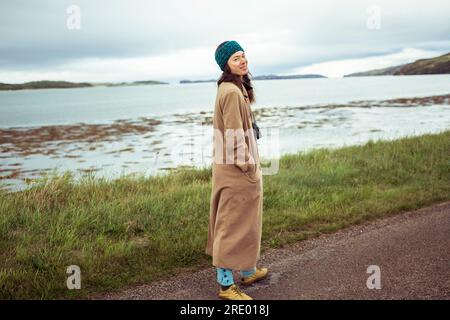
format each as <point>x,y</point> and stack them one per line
<point>227,76</point>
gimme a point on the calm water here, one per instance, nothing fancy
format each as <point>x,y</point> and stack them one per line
<point>102,104</point>
<point>299,115</point>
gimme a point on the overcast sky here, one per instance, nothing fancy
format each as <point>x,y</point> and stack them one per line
<point>171,40</point>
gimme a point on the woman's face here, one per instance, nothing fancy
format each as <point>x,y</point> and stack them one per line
<point>238,63</point>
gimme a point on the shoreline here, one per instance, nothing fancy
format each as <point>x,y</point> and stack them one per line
<point>145,139</point>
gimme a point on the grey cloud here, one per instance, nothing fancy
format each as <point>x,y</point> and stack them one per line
<point>34,33</point>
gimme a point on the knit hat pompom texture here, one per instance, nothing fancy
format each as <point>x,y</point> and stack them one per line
<point>224,52</point>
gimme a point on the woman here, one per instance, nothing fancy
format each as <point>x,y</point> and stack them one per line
<point>234,235</point>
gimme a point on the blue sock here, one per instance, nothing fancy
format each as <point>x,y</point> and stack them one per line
<point>225,277</point>
<point>248,273</point>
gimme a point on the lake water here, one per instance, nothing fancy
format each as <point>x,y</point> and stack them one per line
<point>295,115</point>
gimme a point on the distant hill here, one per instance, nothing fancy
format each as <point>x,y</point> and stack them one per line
<point>437,65</point>
<point>377,72</point>
<point>46,84</point>
<point>265,77</point>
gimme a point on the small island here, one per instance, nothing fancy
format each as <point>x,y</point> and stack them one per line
<point>265,77</point>
<point>46,84</point>
<point>122,84</point>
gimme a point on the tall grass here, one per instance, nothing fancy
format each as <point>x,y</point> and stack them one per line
<point>137,229</point>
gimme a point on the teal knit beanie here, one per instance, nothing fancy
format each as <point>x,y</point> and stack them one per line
<point>225,51</point>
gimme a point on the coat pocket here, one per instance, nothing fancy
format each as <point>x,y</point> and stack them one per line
<point>253,176</point>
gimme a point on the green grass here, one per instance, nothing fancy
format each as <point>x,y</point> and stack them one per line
<point>137,229</point>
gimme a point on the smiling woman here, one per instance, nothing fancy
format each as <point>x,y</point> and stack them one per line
<point>235,226</point>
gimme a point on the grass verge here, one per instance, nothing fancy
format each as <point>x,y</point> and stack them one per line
<point>137,229</point>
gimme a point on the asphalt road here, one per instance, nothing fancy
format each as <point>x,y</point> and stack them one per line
<point>411,251</point>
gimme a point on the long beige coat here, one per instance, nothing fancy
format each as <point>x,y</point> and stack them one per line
<point>234,235</point>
